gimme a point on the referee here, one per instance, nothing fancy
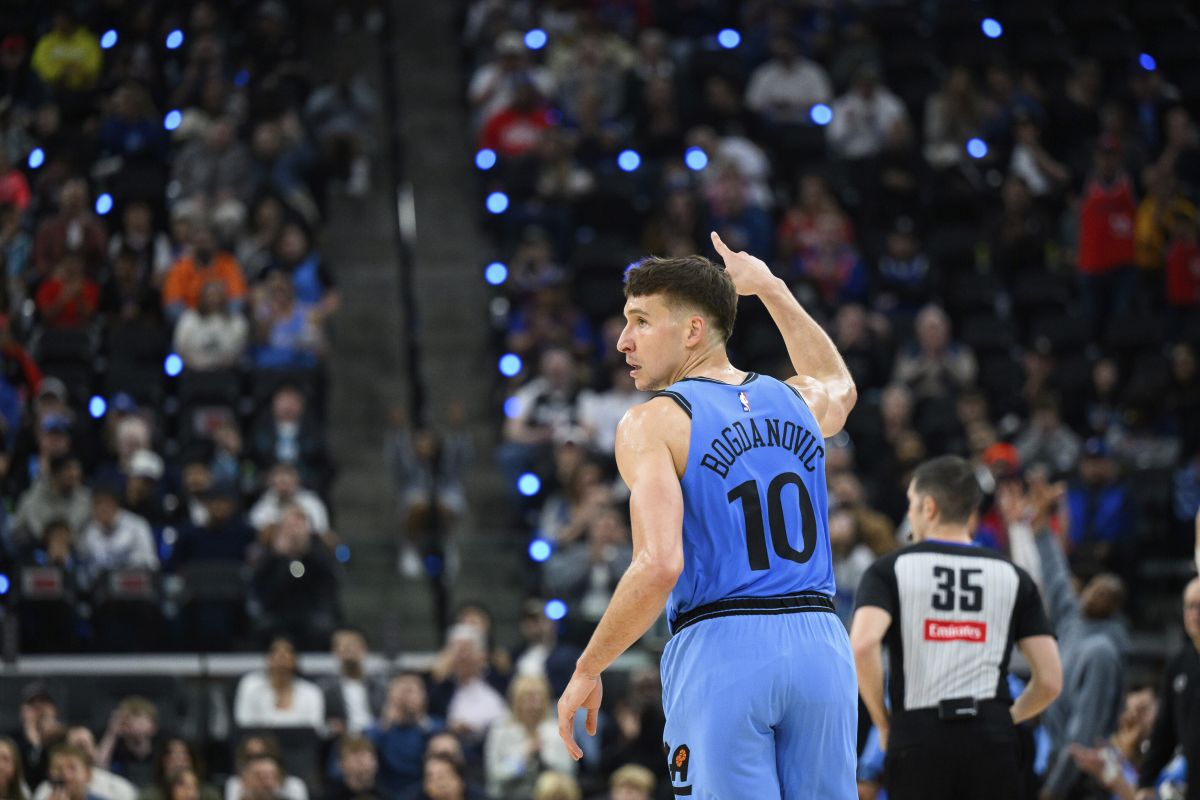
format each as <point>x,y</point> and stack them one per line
<point>949,614</point>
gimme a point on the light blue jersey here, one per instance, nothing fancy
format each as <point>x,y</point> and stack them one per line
<point>759,695</point>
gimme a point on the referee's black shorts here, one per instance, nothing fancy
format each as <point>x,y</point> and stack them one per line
<point>928,759</point>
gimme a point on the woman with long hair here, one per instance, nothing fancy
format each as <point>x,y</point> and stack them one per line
<point>12,775</point>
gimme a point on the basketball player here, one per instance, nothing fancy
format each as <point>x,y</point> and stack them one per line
<point>726,472</point>
<point>950,614</point>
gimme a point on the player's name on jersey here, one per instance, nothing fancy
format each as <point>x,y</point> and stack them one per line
<point>741,437</point>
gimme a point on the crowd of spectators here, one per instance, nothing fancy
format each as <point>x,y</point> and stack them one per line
<point>164,175</point>
<point>991,207</point>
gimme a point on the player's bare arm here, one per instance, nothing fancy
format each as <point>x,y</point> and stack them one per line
<point>821,375</point>
<point>867,630</point>
<point>1045,681</point>
<point>651,449</point>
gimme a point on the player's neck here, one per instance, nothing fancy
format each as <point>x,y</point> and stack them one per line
<point>712,363</point>
<point>956,534</point>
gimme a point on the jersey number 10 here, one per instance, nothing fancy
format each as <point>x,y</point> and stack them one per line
<point>756,540</point>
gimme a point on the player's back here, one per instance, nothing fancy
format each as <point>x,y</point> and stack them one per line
<point>755,521</point>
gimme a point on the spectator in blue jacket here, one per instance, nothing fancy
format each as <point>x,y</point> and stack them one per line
<point>1101,512</point>
<point>400,736</point>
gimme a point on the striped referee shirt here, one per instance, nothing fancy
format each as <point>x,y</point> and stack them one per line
<point>956,612</point>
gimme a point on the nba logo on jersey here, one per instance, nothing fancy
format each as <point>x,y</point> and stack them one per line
<point>745,402</point>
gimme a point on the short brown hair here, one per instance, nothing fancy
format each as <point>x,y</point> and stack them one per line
<point>355,744</point>
<point>687,280</point>
<point>952,484</point>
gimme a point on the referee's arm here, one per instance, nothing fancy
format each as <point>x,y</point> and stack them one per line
<point>870,625</point>
<point>1045,683</point>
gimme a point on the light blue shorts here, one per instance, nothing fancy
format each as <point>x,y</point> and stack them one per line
<point>760,707</point>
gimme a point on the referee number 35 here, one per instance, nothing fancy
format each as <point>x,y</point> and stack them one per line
<point>956,588</point>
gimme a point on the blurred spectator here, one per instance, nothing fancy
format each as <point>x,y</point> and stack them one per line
<point>786,87</point>
<point>359,770</point>
<point>176,765</point>
<point>443,779</point>
<point>851,557</point>
<point>353,698</point>
<point>294,586</point>
<point>736,214</point>
<point>74,229</point>
<point>276,697</point>
<point>548,320</point>
<point>1047,441</point>
<point>1093,641</point>
<point>868,119</point>
<point>212,335</point>
<point>59,493</point>
<point>1175,726</point>
<point>68,56</point>
<point>127,298</point>
<point>12,774</point>
<point>1101,514</point>
<point>70,774</point>
<point>150,248</point>
<point>224,534</point>
<point>585,573</point>
<point>256,248</point>
<point>636,736</point>
<point>581,495</point>
<point>14,187</point>
<point>545,405</point>
<point>1163,208</point>
<point>283,163</point>
<point>934,366</point>
<point>284,490</point>
<point>287,331</point>
<point>543,653</point>
<point>862,340</point>
<point>68,299</point>
<point>287,434</point>
<point>463,696</point>
<point>1183,267</point>
<point>600,411</point>
<point>342,113</point>
<point>524,742</point>
<point>39,727</point>
<point>133,129</point>
<point>516,128</point>
<point>116,538</point>
<point>556,786</point>
<point>493,86</point>
<point>261,781</point>
<point>953,115</point>
<point>904,280</point>
<point>402,733</point>
<point>731,151</point>
<point>1031,162</point>
<point>204,263</point>
<point>310,274</point>
<point>814,215</point>
<point>631,782</point>
<point>215,167</point>
<point>131,742</point>
<point>1021,233</point>
<point>1125,747</point>
<point>832,265</point>
<point>1106,221</point>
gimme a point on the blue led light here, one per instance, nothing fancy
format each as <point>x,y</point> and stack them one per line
<point>4,583</point>
<point>539,550</point>
<point>495,273</point>
<point>37,157</point>
<point>695,158</point>
<point>104,204</point>
<point>820,114</point>
<point>172,365</point>
<point>109,40</point>
<point>556,610</point>
<point>535,39</point>
<point>342,553</point>
<point>485,159</point>
<point>97,407</point>
<point>1147,62</point>
<point>497,202</point>
<point>529,484</point>
<point>175,39</point>
<point>977,148</point>
<point>629,160</point>
<point>241,78</point>
<point>510,364</point>
<point>729,38</point>
<point>172,119</point>
<point>512,407</point>
<point>991,28</point>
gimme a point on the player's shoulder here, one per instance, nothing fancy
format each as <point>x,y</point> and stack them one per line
<point>662,416</point>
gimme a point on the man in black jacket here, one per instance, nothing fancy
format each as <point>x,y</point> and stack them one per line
<point>1178,720</point>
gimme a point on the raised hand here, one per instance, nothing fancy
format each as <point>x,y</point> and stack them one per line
<point>750,275</point>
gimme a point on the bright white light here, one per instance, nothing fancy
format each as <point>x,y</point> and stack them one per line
<point>510,364</point>
<point>297,569</point>
<point>529,484</point>
<point>497,202</point>
<point>495,273</point>
<point>695,158</point>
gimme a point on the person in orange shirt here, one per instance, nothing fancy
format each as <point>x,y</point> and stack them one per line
<point>203,262</point>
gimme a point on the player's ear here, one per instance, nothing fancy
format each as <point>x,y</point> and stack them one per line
<point>929,507</point>
<point>697,329</point>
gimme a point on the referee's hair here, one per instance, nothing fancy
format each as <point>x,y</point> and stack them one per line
<point>952,484</point>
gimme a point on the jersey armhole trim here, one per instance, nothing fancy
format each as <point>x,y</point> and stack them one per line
<point>679,399</point>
